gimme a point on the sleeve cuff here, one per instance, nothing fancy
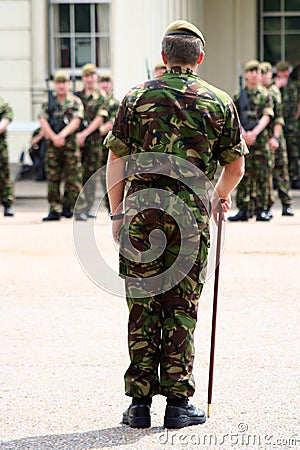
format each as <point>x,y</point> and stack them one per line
<point>118,147</point>
<point>232,154</point>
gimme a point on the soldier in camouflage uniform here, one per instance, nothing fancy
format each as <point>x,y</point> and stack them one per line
<point>88,137</point>
<point>176,114</point>
<point>290,99</point>
<point>63,159</point>
<point>6,196</point>
<point>105,84</point>
<point>253,192</point>
<point>277,143</point>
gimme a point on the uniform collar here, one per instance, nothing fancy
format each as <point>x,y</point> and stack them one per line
<point>181,70</point>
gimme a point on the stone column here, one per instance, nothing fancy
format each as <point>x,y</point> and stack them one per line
<point>39,53</point>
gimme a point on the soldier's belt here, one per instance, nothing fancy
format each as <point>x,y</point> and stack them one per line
<point>176,185</point>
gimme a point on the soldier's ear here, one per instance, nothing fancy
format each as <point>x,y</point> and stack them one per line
<point>201,57</point>
<point>163,56</point>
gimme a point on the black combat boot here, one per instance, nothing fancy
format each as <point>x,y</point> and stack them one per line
<point>91,214</point>
<point>53,215</point>
<point>262,216</point>
<point>8,211</point>
<point>269,213</point>
<point>180,413</point>
<point>66,212</point>
<point>241,216</point>
<point>137,415</point>
<point>287,210</point>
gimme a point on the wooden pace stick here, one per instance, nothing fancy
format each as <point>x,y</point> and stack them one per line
<point>214,314</point>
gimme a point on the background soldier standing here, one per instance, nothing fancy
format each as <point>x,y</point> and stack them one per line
<point>88,137</point>
<point>277,143</point>
<point>255,107</point>
<point>63,155</point>
<point>290,100</point>
<point>6,195</point>
<point>176,114</point>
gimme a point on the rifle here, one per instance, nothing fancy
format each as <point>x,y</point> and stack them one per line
<point>245,112</point>
<point>56,124</point>
<point>148,69</point>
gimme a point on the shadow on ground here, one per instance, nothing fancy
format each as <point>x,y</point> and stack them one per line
<point>108,438</point>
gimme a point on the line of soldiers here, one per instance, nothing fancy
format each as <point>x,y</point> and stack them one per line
<point>269,110</point>
<point>74,150</point>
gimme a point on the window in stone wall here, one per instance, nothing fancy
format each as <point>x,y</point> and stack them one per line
<point>279,24</point>
<point>79,33</point>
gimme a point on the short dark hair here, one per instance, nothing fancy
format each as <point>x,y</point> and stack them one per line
<point>182,49</point>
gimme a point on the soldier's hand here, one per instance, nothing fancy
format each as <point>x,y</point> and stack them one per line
<point>220,206</point>
<point>273,143</point>
<point>59,140</point>
<point>80,139</point>
<point>116,225</point>
<point>250,138</point>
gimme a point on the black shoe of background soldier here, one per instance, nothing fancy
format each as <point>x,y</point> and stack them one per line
<point>81,217</point>
<point>269,213</point>
<point>241,216</point>
<point>66,212</point>
<point>137,415</point>
<point>53,215</point>
<point>182,414</point>
<point>8,211</point>
<point>287,210</point>
<point>91,214</point>
<point>262,216</point>
<point>295,184</point>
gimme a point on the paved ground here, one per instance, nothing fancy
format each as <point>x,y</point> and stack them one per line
<point>63,342</point>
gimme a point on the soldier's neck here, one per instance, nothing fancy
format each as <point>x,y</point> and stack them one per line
<point>89,91</point>
<point>61,98</point>
<point>252,85</point>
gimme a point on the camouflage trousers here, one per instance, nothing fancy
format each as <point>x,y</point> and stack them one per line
<point>162,313</point>
<point>63,164</point>
<point>293,148</point>
<point>281,174</point>
<point>91,162</point>
<point>6,194</point>
<point>254,190</point>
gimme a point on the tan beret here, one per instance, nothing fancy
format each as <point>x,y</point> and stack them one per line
<point>282,66</point>
<point>266,67</point>
<point>251,65</point>
<point>61,76</point>
<point>184,27</point>
<point>105,76</point>
<point>89,69</point>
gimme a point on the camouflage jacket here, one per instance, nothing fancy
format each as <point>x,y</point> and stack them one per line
<point>112,106</point>
<point>94,105</point>
<point>290,99</point>
<point>178,114</point>
<point>6,112</point>
<point>71,107</point>
<point>260,104</point>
